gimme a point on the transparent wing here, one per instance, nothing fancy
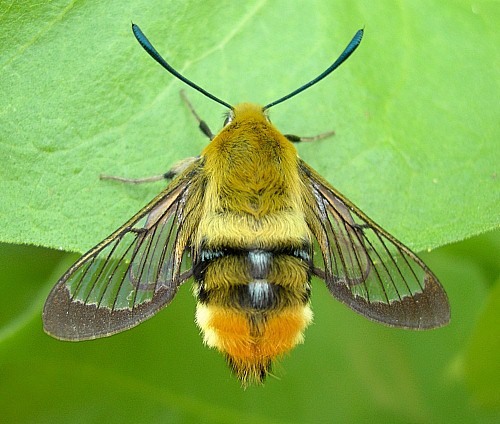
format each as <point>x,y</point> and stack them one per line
<point>368,269</point>
<point>129,276</point>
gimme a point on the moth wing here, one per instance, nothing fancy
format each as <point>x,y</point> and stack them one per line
<point>129,276</point>
<point>368,269</point>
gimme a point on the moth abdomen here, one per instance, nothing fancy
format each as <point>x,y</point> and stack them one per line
<point>252,278</point>
<point>253,304</point>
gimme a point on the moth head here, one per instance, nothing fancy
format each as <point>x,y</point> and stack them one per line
<point>246,112</point>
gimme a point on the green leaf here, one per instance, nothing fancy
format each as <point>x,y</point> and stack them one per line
<point>415,109</point>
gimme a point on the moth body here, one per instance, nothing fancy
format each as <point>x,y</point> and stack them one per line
<point>252,249</point>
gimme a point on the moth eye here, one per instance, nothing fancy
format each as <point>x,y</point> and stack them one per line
<point>229,118</point>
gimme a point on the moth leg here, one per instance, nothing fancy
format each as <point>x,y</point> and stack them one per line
<point>171,173</point>
<point>298,139</point>
<point>202,125</point>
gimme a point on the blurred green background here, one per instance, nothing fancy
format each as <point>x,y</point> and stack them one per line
<point>416,117</point>
<point>348,370</point>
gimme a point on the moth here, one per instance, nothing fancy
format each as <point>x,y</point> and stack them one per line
<point>251,223</point>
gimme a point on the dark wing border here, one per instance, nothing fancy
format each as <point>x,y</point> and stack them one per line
<point>145,255</point>
<point>365,267</point>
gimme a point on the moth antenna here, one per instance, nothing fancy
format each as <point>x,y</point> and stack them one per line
<point>146,45</point>
<point>353,44</point>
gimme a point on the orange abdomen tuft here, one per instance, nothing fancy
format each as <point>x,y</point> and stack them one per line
<point>252,340</point>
